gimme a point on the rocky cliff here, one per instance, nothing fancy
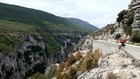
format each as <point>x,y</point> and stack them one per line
<point>32,56</point>
<point>91,62</point>
<point>126,24</point>
<point>30,44</point>
<point>116,65</point>
<point>76,62</point>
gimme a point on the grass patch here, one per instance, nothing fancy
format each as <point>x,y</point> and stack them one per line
<point>10,26</point>
<point>37,76</point>
<point>7,42</point>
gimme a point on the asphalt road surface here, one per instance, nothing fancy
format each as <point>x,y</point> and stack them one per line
<point>108,47</point>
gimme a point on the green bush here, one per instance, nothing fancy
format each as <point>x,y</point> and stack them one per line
<point>7,42</point>
<point>112,31</point>
<point>72,59</point>
<point>136,37</point>
<point>73,73</point>
<point>117,36</point>
<point>121,15</point>
<point>37,76</point>
<point>51,72</point>
<point>51,45</point>
<point>4,48</point>
<point>127,30</point>
<point>89,64</point>
<point>35,48</point>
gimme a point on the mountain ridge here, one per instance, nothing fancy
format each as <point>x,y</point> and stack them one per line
<point>37,17</point>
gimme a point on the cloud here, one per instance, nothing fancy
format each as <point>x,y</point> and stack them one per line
<point>96,12</point>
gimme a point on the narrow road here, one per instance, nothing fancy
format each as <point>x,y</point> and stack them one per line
<point>108,47</point>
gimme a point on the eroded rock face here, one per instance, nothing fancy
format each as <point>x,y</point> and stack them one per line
<point>136,7</point>
<point>136,23</point>
<point>24,58</point>
<point>30,57</point>
<point>114,66</point>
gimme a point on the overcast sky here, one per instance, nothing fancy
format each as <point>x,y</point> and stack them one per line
<point>96,12</point>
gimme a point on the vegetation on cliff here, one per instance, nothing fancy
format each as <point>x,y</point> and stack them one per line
<point>7,42</point>
<point>18,20</point>
<point>74,65</point>
<point>126,17</point>
<point>136,37</point>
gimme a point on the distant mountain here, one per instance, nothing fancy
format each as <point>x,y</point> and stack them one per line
<point>42,19</point>
<point>83,24</point>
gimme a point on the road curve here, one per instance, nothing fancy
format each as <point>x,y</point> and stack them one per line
<point>108,47</point>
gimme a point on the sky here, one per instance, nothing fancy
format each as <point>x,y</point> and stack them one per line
<point>97,12</point>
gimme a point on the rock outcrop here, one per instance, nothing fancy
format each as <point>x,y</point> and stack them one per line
<point>126,23</point>
<point>23,59</point>
<point>76,63</point>
<point>31,56</point>
<point>136,6</point>
<point>117,65</point>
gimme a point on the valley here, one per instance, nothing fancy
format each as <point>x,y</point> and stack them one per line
<point>35,44</point>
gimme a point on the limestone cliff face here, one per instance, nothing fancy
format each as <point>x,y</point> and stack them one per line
<point>126,23</point>
<point>135,5</point>
<point>75,60</point>
<point>116,65</point>
<point>30,57</point>
<point>23,59</point>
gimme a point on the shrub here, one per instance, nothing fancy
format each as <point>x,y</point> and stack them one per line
<point>112,31</point>
<point>7,42</point>
<point>127,30</point>
<point>82,67</point>
<point>89,54</point>
<point>37,76</point>
<point>121,15</point>
<point>89,64</point>
<point>51,72</point>
<point>35,48</point>
<point>51,45</point>
<point>67,63</point>
<point>4,48</point>
<point>72,58</point>
<point>65,76</point>
<point>117,36</point>
<point>70,61</point>
<point>98,54</point>
<point>78,56</point>
<point>130,18</point>
<point>58,75</point>
<point>73,73</point>
<point>124,66</point>
<point>60,68</point>
<point>92,59</point>
<point>111,76</point>
<point>80,63</point>
<point>136,37</point>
